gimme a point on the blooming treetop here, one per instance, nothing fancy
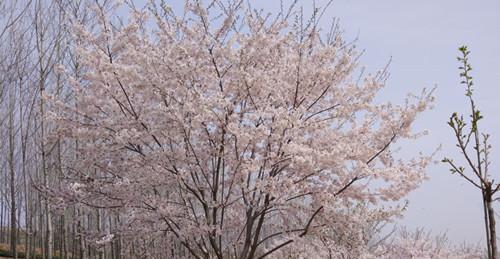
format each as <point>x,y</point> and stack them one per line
<point>233,133</point>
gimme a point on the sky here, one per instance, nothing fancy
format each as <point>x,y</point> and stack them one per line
<point>421,39</point>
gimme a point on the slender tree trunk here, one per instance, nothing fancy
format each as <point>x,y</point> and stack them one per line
<point>64,251</point>
<point>89,227</point>
<point>99,229</point>
<point>13,220</point>
<point>2,235</point>
<point>491,221</point>
<point>48,217</point>
<point>27,196</point>
<point>74,235</point>
<point>42,227</point>
<point>18,217</point>
<point>35,219</point>
<point>81,220</point>
<point>486,223</point>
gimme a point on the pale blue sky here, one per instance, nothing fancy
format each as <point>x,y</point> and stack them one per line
<point>422,38</point>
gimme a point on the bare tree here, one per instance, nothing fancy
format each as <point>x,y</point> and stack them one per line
<point>475,149</point>
<point>14,37</point>
<point>13,208</point>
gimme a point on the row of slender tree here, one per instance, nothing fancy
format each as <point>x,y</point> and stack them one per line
<point>35,39</point>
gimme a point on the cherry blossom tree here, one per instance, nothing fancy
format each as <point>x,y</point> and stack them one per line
<point>421,244</point>
<point>225,132</point>
<point>402,244</point>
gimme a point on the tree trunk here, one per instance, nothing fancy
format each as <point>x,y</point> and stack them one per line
<point>492,223</point>
<point>13,224</point>
<point>2,235</point>
<point>64,238</point>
